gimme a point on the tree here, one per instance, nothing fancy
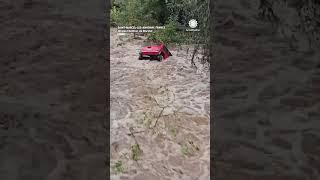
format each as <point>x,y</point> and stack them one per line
<point>169,13</point>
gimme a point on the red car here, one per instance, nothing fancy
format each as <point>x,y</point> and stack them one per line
<point>158,52</point>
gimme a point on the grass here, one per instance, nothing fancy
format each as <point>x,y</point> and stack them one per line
<point>136,152</point>
<point>189,148</point>
<point>173,130</point>
<point>185,150</point>
<point>118,167</point>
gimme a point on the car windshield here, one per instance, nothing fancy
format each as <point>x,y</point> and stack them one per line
<point>165,49</point>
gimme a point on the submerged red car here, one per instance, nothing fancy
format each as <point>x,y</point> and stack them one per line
<point>158,52</point>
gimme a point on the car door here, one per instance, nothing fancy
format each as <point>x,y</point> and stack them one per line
<point>166,52</point>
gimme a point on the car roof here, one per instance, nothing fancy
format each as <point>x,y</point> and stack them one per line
<point>152,47</point>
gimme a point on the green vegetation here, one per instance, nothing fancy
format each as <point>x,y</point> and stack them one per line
<point>173,14</point>
<point>138,12</point>
<point>118,167</point>
<point>188,149</point>
<point>173,130</point>
<point>169,35</point>
<point>136,152</point>
<point>185,150</point>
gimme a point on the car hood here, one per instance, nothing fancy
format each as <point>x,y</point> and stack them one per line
<point>150,49</point>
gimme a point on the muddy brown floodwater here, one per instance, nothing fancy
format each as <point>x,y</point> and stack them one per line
<point>164,108</point>
<point>52,93</point>
<point>266,98</point>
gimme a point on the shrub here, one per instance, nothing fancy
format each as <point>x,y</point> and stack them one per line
<point>118,167</point>
<point>167,35</point>
<point>115,16</point>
